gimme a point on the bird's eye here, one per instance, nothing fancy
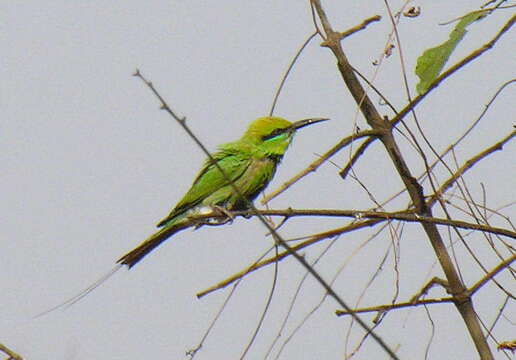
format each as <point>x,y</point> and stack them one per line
<point>274,133</point>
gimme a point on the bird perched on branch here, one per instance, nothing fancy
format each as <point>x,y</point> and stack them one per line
<point>229,181</point>
<point>247,164</point>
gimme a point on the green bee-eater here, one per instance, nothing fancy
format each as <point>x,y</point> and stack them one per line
<point>250,163</point>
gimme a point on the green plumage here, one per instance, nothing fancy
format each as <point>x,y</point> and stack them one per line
<point>250,163</point>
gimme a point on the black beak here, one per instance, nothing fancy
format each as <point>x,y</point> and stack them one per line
<point>302,123</point>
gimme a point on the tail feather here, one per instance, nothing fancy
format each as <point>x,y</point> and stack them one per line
<point>134,256</point>
<point>81,294</point>
<point>130,259</point>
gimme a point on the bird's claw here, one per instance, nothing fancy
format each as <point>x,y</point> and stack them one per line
<point>223,211</point>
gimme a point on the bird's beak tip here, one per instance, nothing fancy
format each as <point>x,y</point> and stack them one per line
<point>305,122</point>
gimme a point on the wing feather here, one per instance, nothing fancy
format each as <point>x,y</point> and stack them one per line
<point>210,180</point>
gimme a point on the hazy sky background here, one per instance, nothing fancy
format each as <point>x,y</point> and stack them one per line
<point>91,164</point>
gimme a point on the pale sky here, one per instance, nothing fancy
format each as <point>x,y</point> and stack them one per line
<point>91,165</point>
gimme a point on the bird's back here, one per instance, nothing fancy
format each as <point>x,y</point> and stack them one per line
<point>248,169</point>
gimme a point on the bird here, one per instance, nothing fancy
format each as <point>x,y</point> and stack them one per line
<point>230,179</point>
<point>248,164</point>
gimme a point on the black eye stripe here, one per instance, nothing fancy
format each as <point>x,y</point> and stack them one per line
<point>274,133</point>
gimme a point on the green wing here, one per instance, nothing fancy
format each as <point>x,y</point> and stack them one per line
<point>257,175</point>
<point>210,180</point>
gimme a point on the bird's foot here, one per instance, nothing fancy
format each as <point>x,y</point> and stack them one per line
<point>217,215</point>
<point>223,211</point>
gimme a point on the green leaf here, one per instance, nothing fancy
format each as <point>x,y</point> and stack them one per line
<point>430,64</point>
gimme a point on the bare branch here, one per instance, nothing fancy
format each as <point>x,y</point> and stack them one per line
<point>461,298</point>
<point>357,28</point>
<point>406,215</point>
<point>472,56</point>
<point>358,153</point>
<point>415,300</point>
<point>315,165</point>
<point>277,237</point>
<point>468,165</point>
<point>411,105</point>
<point>312,240</point>
<point>384,308</point>
<point>12,355</point>
<point>425,289</point>
<point>501,266</point>
<point>290,66</point>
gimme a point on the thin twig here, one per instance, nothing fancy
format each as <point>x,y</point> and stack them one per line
<point>469,164</point>
<point>270,295</point>
<point>320,160</point>
<point>374,218</point>
<point>294,299</point>
<point>359,27</point>
<point>449,148</point>
<point>388,307</point>
<point>406,215</point>
<point>313,310</point>
<point>312,240</point>
<point>459,65</point>
<point>499,314</point>
<point>425,289</point>
<point>415,302</point>
<point>411,105</point>
<point>290,66</point>
<point>12,355</point>
<point>490,275</point>
<point>462,301</point>
<point>191,353</point>
<point>358,153</point>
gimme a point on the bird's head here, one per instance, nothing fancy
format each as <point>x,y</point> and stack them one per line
<point>274,134</point>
